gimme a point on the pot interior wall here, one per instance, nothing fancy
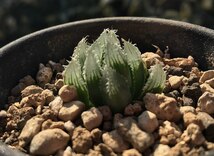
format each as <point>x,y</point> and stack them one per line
<point>23,56</point>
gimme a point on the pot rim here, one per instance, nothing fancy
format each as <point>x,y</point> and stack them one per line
<point>162,21</point>
<point>184,25</point>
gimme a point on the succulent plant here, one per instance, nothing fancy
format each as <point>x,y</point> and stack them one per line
<point>106,73</point>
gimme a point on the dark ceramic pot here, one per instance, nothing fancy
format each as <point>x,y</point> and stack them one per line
<point>23,56</point>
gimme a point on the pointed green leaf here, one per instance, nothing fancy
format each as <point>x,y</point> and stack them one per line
<point>98,48</point>
<point>92,72</point>
<point>115,58</point>
<point>138,68</point>
<point>111,36</point>
<point>156,80</point>
<point>80,52</point>
<point>99,45</point>
<point>73,76</point>
<point>116,92</point>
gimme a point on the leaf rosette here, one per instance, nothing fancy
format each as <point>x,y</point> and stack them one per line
<point>107,73</point>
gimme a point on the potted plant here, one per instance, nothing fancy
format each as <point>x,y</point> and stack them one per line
<point>22,57</point>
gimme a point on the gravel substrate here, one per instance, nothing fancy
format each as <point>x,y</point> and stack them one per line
<point>45,117</point>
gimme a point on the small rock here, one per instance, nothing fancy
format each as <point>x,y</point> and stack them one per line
<point>186,109</point>
<point>44,75</point>
<point>17,105</point>
<point>59,83</point>
<point>206,119</point>
<point>206,102</point>
<point>181,148</point>
<point>147,121</point>
<point>31,128</point>
<point>3,120</point>
<point>69,127</point>
<point>68,152</point>
<point>131,152</point>
<point>3,114</point>
<point>210,82</point>
<point>49,124</point>
<point>167,87</point>
<point>71,110</point>
<point>205,87</point>
<point>60,74</point>
<point>96,135</point>
<point>56,104</point>
<point>39,109</point>
<point>139,139</point>
<point>193,92</point>
<point>49,141</point>
<point>49,114</point>
<point>151,58</point>
<point>193,79</point>
<point>104,150</point>
<point>94,153</point>
<point>180,101</point>
<point>174,94</point>
<point>32,89</point>
<point>165,108</point>
<point>27,80</point>
<point>92,118</point>
<point>162,150</point>
<point>115,141</point>
<point>57,67</point>
<point>25,114</point>
<point>11,125</point>
<point>193,135</point>
<point>132,109</point>
<point>117,118</point>
<point>196,72</point>
<point>68,93</point>
<point>106,112</point>
<point>185,63</point>
<point>169,133</point>
<point>175,81</point>
<point>49,96</point>
<point>13,109</point>
<point>11,139</point>
<point>172,70</point>
<point>207,75</point>
<point>192,118</point>
<point>188,101</point>
<point>186,75</point>
<point>209,145</point>
<point>51,87</point>
<point>33,100</point>
<point>81,140</point>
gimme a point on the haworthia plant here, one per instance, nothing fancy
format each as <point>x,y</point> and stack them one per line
<point>106,73</point>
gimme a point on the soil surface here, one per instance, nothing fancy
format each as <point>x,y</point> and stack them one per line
<point>45,117</point>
